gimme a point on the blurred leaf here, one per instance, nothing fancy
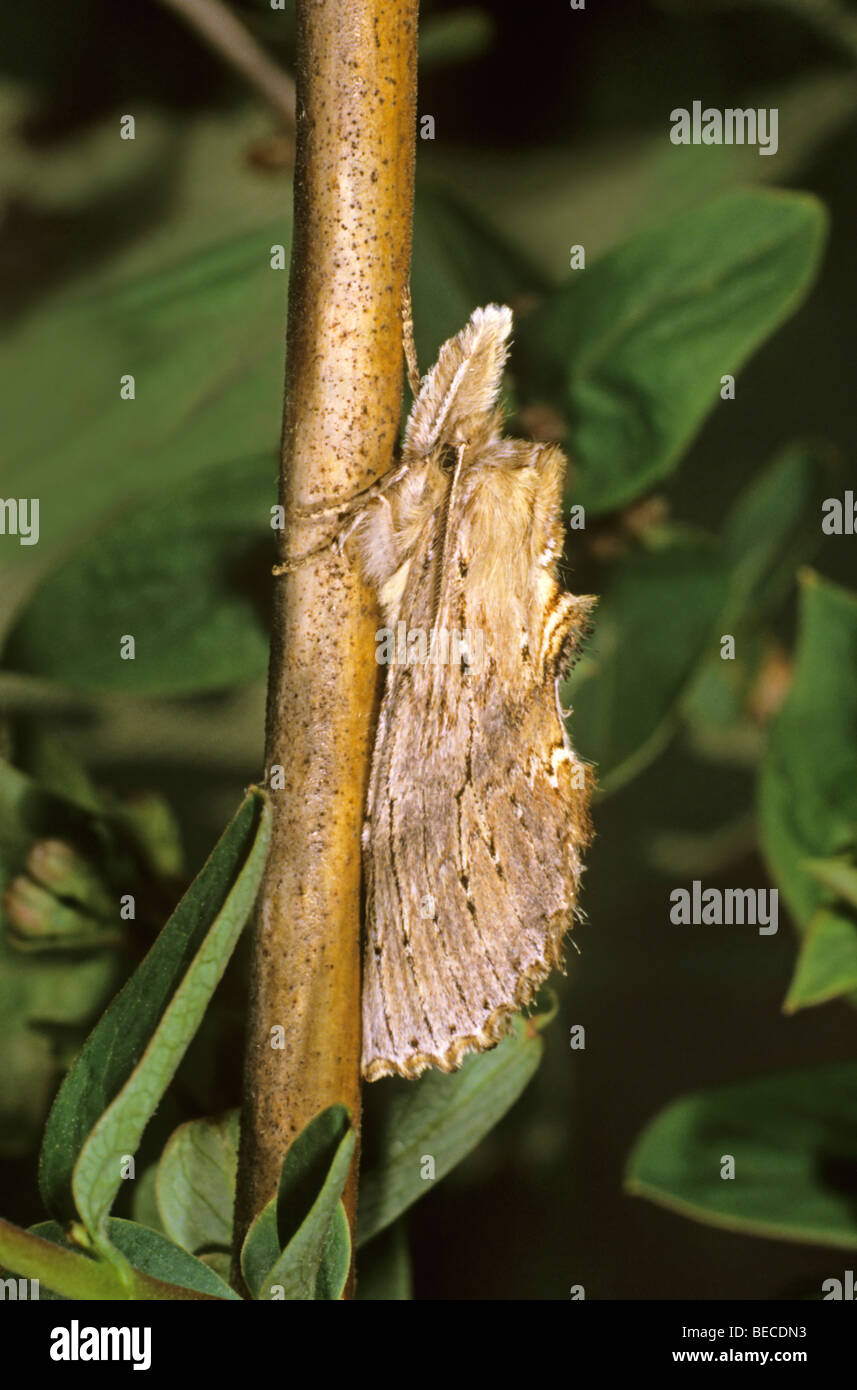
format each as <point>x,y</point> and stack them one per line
<point>794,1140</point>
<point>837,875</point>
<point>444,1117</point>
<point>130,1057</point>
<point>203,338</point>
<point>336,1257</point>
<point>384,1271</point>
<point>616,181</point>
<point>459,262</point>
<point>770,532</point>
<point>153,827</point>
<point>196,1183</point>
<point>28,813</point>
<point>152,1254</point>
<point>808,782</point>
<point>203,395</point>
<point>826,966</point>
<point>454,37</point>
<point>633,349</point>
<point>44,757</point>
<point>210,543</point>
<point>313,1176</point>
<point>773,529</point>
<point>653,629</point>
<point>39,993</point>
<point>827,962</point>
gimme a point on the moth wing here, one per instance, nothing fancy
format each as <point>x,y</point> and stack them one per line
<point>472,868</point>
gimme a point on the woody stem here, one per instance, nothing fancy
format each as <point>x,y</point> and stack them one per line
<point>356,83</point>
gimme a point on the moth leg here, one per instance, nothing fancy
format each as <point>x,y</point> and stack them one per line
<point>350,504</point>
<point>294,562</point>
<point>349,514</point>
<point>410,347</point>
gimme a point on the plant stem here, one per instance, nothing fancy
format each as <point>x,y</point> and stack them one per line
<point>356,81</point>
<point>227,36</point>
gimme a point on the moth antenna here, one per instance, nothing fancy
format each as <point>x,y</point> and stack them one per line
<point>465,380</point>
<point>409,344</point>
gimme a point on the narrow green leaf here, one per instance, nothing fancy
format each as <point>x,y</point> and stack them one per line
<point>654,628</point>
<point>131,1056</point>
<point>632,352</point>
<point>794,1142</point>
<point>196,1183</point>
<point>314,1172</point>
<point>261,1248</point>
<point>445,1117</point>
<point>336,1258</point>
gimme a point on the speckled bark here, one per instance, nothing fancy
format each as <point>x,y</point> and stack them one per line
<point>356,86</point>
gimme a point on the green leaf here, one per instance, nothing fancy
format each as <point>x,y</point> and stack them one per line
<point>261,1252</point>
<point>654,628</point>
<point>827,962</point>
<point>261,1248</point>
<point>384,1271</point>
<point>130,1057</point>
<point>151,1254</point>
<point>459,262</point>
<point>808,786</point>
<point>336,1257</point>
<point>632,350</point>
<point>313,1176</point>
<point>209,541</point>
<point>446,1117</point>
<point>196,1183</point>
<point>839,876</point>
<point>204,340</point>
<point>455,37</point>
<point>826,966</point>
<point>794,1141</point>
<point>772,530</point>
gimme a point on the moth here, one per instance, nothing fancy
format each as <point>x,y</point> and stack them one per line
<point>477,810</point>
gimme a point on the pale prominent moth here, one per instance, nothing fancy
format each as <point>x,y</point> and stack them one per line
<point>477,811</point>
